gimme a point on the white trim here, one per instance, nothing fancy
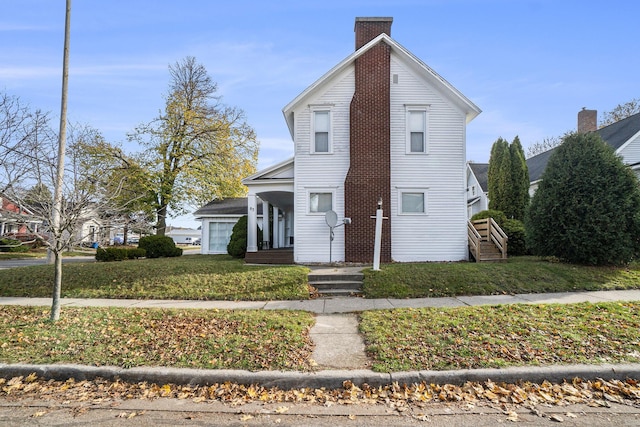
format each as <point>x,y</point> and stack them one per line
<point>425,195</point>
<point>627,142</point>
<point>322,108</point>
<point>323,190</point>
<point>408,110</point>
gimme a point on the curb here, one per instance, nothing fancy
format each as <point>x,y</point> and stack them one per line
<point>329,379</point>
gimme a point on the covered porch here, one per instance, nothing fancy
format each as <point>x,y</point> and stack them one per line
<point>273,189</point>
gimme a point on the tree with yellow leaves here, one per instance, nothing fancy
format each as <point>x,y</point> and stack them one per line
<point>198,148</point>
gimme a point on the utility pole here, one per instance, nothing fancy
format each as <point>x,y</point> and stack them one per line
<point>57,195</point>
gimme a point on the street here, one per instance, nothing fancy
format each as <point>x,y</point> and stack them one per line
<point>165,411</point>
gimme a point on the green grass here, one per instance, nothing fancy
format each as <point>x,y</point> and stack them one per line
<point>195,277</point>
<point>517,275</point>
<point>211,339</point>
<point>499,336</point>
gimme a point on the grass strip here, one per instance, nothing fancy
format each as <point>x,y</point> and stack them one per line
<point>503,335</point>
<point>209,339</point>
<point>193,277</point>
<point>517,275</point>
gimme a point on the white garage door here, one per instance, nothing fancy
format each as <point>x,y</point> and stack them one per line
<point>219,235</point>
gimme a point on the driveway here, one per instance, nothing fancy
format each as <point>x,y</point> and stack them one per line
<point>13,263</point>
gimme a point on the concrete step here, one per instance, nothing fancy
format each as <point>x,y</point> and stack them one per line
<point>338,277</point>
<point>337,284</point>
<point>339,293</point>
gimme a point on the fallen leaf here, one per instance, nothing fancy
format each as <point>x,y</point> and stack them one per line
<point>281,409</point>
<point>556,418</point>
<point>246,417</point>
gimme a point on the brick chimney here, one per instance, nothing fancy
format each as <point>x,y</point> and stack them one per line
<point>369,175</point>
<point>587,120</point>
<point>368,29</point>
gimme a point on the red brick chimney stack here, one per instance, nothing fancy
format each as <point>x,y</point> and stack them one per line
<point>369,175</point>
<point>587,120</point>
<point>367,29</point>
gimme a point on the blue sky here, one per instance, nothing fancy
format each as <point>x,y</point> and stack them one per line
<point>530,65</point>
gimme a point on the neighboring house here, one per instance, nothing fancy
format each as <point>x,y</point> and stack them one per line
<point>477,188</point>
<point>181,235</point>
<point>218,218</point>
<point>379,126</point>
<point>623,136</point>
<point>16,220</point>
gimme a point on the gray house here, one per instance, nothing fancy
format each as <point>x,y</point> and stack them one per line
<point>623,136</point>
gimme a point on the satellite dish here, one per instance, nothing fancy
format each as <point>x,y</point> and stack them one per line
<point>331,218</point>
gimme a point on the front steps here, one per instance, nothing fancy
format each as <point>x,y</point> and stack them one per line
<point>336,281</point>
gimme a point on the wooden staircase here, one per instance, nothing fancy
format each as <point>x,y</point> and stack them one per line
<point>270,256</point>
<point>487,241</point>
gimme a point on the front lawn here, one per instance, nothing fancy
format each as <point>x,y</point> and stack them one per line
<point>503,335</point>
<point>211,339</point>
<point>517,275</point>
<point>194,277</point>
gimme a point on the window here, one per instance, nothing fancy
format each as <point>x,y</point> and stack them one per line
<point>320,202</point>
<point>321,131</point>
<point>412,202</point>
<point>417,129</point>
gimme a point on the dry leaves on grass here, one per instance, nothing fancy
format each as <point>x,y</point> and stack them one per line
<point>211,339</point>
<point>595,393</point>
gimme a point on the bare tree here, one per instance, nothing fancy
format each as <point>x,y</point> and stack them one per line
<point>621,111</point>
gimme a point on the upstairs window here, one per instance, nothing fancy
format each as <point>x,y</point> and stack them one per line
<point>416,129</point>
<point>321,131</point>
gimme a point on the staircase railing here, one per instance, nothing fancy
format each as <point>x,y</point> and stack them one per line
<point>474,240</point>
<point>486,230</point>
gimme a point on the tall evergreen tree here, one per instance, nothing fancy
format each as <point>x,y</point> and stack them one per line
<point>499,176</point>
<point>587,207</point>
<point>519,192</point>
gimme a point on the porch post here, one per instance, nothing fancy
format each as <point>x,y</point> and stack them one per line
<point>265,225</point>
<point>276,228</point>
<point>252,223</point>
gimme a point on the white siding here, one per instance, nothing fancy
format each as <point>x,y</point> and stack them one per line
<point>631,151</point>
<point>322,172</point>
<point>441,234</point>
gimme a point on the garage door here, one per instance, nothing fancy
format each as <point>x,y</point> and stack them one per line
<point>219,235</point>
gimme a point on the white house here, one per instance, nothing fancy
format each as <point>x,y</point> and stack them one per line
<point>623,136</point>
<point>477,188</point>
<point>380,126</point>
<point>182,235</point>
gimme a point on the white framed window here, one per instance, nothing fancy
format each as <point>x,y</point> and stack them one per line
<point>413,202</point>
<point>417,127</point>
<point>320,201</point>
<point>321,141</point>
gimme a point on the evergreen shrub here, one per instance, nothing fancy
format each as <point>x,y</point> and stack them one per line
<point>159,246</point>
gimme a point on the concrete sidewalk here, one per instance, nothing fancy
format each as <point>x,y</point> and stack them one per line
<point>337,305</point>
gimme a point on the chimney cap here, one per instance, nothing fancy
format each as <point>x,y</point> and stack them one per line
<point>373,19</point>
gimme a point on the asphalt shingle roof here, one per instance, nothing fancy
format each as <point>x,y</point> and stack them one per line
<point>480,170</point>
<point>230,206</point>
<point>615,135</point>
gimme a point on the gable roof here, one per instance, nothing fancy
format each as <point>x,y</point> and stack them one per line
<point>480,170</point>
<point>470,109</point>
<point>224,207</point>
<point>616,135</point>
